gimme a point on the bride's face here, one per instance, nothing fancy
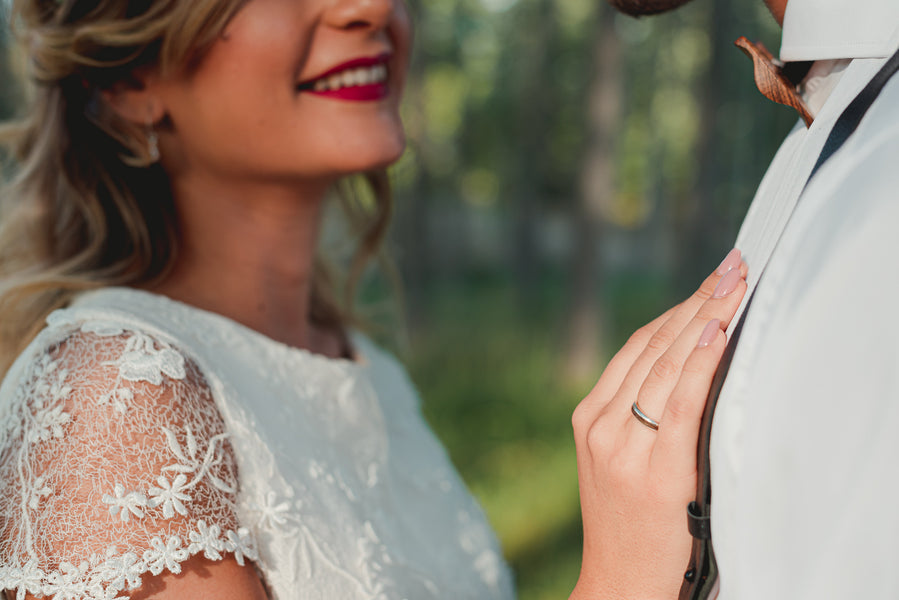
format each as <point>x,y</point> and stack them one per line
<point>293,90</point>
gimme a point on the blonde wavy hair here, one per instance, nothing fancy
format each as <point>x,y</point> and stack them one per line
<point>85,208</point>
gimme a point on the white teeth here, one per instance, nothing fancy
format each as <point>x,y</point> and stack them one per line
<point>352,77</point>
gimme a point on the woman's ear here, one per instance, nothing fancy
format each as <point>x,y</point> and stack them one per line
<point>136,100</point>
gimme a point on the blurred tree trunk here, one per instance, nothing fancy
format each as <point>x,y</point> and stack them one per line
<point>705,230</point>
<point>532,128</point>
<point>597,190</point>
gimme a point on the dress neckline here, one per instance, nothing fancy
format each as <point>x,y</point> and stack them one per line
<point>128,299</point>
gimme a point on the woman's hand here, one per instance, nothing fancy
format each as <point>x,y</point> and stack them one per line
<point>635,482</point>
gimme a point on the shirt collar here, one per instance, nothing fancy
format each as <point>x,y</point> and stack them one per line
<point>821,80</point>
<point>837,29</point>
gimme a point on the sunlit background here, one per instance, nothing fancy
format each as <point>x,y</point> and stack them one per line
<point>570,174</point>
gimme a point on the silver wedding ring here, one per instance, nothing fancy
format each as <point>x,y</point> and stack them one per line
<point>644,418</point>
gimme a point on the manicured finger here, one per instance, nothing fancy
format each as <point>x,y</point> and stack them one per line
<point>635,359</point>
<point>667,329</point>
<point>716,285</point>
<point>661,360</point>
<point>678,434</point>
<point>725,300</point>
<point>732,262</point>
<point>665,373</point>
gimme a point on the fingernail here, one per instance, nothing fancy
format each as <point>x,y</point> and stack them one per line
<point>709,333</point>
<point>727,284</point>
<point>730,262</point>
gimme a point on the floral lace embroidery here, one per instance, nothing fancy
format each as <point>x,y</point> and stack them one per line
<point>102,578</point>
<point>125,503</point>
<point>280,514</point>
<point>141,360</point>
<point>193,489</point>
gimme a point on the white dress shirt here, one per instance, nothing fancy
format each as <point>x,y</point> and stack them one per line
<point>804,453</point>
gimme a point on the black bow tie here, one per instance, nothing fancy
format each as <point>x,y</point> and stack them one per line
<point>775,80</point>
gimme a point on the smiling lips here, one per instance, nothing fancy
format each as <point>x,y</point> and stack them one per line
<point>361,79</point>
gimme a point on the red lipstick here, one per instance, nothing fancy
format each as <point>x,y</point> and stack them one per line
<point>360,79</point>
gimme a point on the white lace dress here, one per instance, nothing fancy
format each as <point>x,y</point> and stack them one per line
<point>136,432</point>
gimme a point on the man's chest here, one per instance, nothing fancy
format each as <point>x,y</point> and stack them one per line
<point>798,412</point>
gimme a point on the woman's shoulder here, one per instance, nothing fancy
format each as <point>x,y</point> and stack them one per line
<point>109,436</point>
<point>94,347</point>
<point>88,377</point>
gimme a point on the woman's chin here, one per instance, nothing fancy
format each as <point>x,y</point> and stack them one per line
<point>394,157</point>
<point>378,158</point>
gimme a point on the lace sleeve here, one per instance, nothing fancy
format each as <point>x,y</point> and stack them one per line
<point>114,463</point>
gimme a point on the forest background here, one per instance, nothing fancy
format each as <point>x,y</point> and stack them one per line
<point>570,174</point>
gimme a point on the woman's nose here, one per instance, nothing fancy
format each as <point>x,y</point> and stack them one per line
<point>360,14</point>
